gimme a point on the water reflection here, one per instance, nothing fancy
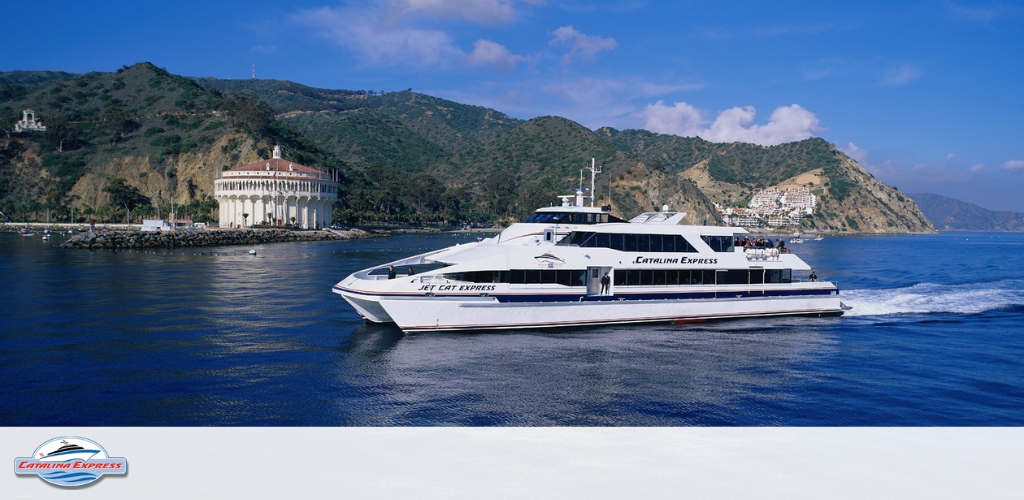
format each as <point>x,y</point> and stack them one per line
<point>721,373</point>
<point>215,336</point>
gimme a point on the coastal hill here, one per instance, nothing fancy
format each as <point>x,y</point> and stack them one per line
<point>949,214</point>
<point>399,156</point>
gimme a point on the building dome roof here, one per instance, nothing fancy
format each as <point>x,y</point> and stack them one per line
<point>275,165</point>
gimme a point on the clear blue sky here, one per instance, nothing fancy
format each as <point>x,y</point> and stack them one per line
<point>927,95</point>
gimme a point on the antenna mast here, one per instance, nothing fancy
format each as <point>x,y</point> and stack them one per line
<point>254,70</point>
<point>594,170</point>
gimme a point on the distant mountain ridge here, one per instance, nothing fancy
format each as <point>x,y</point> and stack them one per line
<point>949,214</point>
<point>399,156</point>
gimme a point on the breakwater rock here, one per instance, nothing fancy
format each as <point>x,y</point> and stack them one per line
<point>201,238</point>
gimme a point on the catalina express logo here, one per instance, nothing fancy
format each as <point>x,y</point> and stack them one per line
<point>70,461</point>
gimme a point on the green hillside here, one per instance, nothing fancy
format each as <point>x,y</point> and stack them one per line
<point>949,214</point>
<point>140,138</point>
<point>750,165</point>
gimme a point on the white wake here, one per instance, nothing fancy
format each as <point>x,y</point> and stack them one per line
<point>933,298</point>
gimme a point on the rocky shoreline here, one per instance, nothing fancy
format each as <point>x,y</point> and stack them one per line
<point>114,240</point>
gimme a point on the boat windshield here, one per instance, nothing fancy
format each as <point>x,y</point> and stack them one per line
<point>571,218</point>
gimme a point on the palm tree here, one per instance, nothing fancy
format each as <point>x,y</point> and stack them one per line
<point>245,217</point>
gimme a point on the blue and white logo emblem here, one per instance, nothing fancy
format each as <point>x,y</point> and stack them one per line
<point>70,461</point>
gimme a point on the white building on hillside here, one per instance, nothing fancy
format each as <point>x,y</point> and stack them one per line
<point>765,199</point>
<point>800,198</point>
<point>29,123</point>
<point>275,192</point>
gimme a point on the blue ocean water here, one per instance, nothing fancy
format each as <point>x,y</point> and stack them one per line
<point>214,336</point>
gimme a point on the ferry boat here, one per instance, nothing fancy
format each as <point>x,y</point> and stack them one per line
<point>68,452</point>
<point>576,265</point>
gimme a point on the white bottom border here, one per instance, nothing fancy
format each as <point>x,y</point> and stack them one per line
<point>423,463</point>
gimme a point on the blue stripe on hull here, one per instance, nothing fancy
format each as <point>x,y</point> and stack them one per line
<point>730,294</point>
<point>621,296</point>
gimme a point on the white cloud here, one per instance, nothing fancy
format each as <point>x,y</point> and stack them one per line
<point>855,152</point>
<point>900,75</point>
<point>980,15</point>
<point>266,49</point>
<point>488,12</point>
<point>493,55</point>
<point>1013,166</point>
<point>603,92</point>
<point>680,119</point>
<point>580,45</point>
<point>786,124</point>
<point>977,168</point>
<point>379,43</point>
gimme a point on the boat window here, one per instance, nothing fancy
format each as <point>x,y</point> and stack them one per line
<point>573,238</point>
<point>656,242</point>
<point>629,242</point>
<point>682,245</point>
<point>616,242</point>
<point>673,277</point>
<point>479,276</point>
<point>630,245</point>
<point>735,277</point>
<point>564,277</point>
<point>719,243</point>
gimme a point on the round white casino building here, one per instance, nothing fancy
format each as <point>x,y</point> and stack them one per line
<point>275,192</point>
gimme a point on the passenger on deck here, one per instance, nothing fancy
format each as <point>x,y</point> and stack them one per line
<point>814,277</point>
<point>391,272</point>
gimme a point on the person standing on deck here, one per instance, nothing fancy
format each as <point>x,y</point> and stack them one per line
<point>605,282</point>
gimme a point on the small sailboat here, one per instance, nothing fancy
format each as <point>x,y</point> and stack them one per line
<point>796,238</point>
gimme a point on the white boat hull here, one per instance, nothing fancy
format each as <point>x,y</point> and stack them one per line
<point>438,314</point>
<point>577,266</point>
